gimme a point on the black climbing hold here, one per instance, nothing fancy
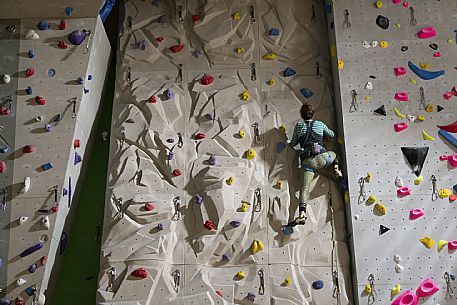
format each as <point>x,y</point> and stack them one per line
<point>381,110</point>
<point>404,48</point>
<point>416,157</point>
<point>439,108</point>
<point>382,22</point>
<point>433,46</point>
<point>383,229</point>
<point>372,76</point>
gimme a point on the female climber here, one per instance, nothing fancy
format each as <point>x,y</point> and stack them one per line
<point>310,135</point>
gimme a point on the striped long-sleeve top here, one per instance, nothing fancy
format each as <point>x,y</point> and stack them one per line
<point>318,127</point>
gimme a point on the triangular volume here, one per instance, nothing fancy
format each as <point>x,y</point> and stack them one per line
<point>383,229</point>
<point>416,157</point>
<point>439,108</point>
<point>381,110</point>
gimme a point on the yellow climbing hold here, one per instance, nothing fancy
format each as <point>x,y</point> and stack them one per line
<point>240,275</point>
<point>282,128</point>
<point>418,180</point>
<point>368,289</point>
<point>340,64</point>
<point>441,244</point>
<point>426,136</point>
<point>239,50</point>
<point>372,199</point>
<point>367,98</point>
<point>287,281</point>
<point>230,180</point>
<point>369,177</point>
<point>429,108</point>
<point>237,16</point>
<point>256,246</point>
<point>412,81</point>
<point>346,197</point>
<point>444,193</point>
<point>396,290</point>
<point>380,208</point>
<point>241,133</point>
<point>398,25</point>
<point>427,241</point>
<point>244,207</point>
<point>245,96</point>
<point>251,153</point>
<point>424,65</point>
<point>333,51</point>
<point>421,118</point>
<point>398,113</point>
<point>271,82</point>
<point>279,184</point>
<point>379,4</point>
<point>384,44</point>
<point>450,41</point>
<point>270,56</point>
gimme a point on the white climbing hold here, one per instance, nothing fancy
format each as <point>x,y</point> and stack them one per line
<point>398,182</point>
<point>399,268</point>
<point>374,43</point>
<point>31,34</point>
<point>20,281</point>
<point>397,258</point>
<point>6,79</point>
<point>45,222</point>
<point>369,86</point>
<point>411,118</point>
<point>22,220</point>
<point>356,216</point>
<point>365,44</point>
<point>26,186</point>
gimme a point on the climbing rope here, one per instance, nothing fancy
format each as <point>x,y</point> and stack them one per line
<point>335,275</point>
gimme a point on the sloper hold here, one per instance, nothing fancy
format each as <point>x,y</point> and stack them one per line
<point>416,157</point>
<point>424,74</point>
<point>381,110</point>
<point>383,229</point>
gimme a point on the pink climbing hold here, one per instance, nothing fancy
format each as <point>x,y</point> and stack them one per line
<point>454,91</point>
<point>402,96</point>
<point>437,54</point>
<point>209,225</point>
<point>400,71</point>
<point>406,298</point>
<point>63,24</point>
<point>427,288</point>
<point>27,149</point>
<point>40,100</point>
<point>452,161</point>
<point>396,1</point>
<point>448,95</point>
<point>444,157</point>
<point>149,206</point>
<point>404,191</point>
<point>206,80</point>
<point>405,4</point>
<point>140,272</point>
<point>426,33</point>
<point>4,111</point>
<point>400,126</point>
<point>29,72</point>
<point>452,245</point>
<point>176,48</point>
<point>176,172</point>
<point>2,167</point>
<point>416,213</point>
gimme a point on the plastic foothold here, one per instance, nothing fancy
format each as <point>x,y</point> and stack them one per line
<point>424,65</point>
<point>29,72</point>
<point>453,198</point>
<point>380,208</point>
<point>397,258</point>
<point>235,223</point>
<point>452,245</point>
<point>240,275</point>
<point>399,268</point>
<point>404,48</point>
<point>241,133</point>
<point>379,4</point>
<point>236,16</point>
<point>416,213</point>
<point>62,45</point>
<point>244,207</point>
<point>426,33</point>
<point>421,118</point>
<point>250,297</point>
<point>269,56</point>
<point>368,178</point>
<point>31,54</point>
<point>426,136</point>
<point>404,191</point>
<point>372,199</point>
<point>406,298</point>
<point>396,1</point>
<point>400,126</point>
<point>383,229</point>
<point>225,257</point>
<point>169,94</point>
<point>69,11</point>
<point>382,22</point>
<point>273,32</point>
<point>206,80</point>
<point>48,127</point>
<point>399,71</point>
<point>212,160</point>
<point>240,50</point>
<point>452,161</point>
<point>43,25</point>
<point>271,82</point>
<point>448,95</point>
<point>2,167</point>
<point>427,288</point>
<point>45,222</point>
<point>427,242</point>
<point>43,260</point>
<point>160,39</point>
<point>441,244</point>
<point>396,290</point>
<point>140,273</point>
<point>47,166</point>
<point>177,48</point>
<point>6,79</point>
<point>289,72</point>
<point>405,4</point>
<point>77,37</point>
<point>423,74</point>
<point>230,180</point>
<point>176,172</point>
<point>306,92</point>
<point>197,53</point>
<point>149,206</point>
<point>159,227</point>
<point>411,118</point>
<point>383,44</point>
<point>381,110</point>
<point>251,153</point>
<point>63,24</point>
<point>28,149</point>
<point>257,246</point>
<point>32,268</point>
<point>245,96</point>
<point>209,225</point>
<point>51,72</point>
<point>401,96</point>
<point>340,64</point>
<point>317,284</point>
<point>368,289</point>
<point>444,193</point>
<point>287,281</point>
<point>22,220</point>
<point>279,184</point>
<point>20,281</point>
<point>199,136</point>
<point>437,54</point>
<point>398,181</point>
<point>31,35</point>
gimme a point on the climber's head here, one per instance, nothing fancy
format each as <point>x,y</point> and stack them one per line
<point>307,112</point>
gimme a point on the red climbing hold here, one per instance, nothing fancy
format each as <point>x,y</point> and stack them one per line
<point>152,99</point>
<point>4,111</point>
<point>449,128</point>
<point>176,48</point>
<point>43,260</point>
<point>2,167</point>
<point>76,143</point>
<point>206,80</point>
<point>209,225</point>
<point>63,24</point>
<point>195,18</point>
<point>454,91</point>
<point>40,100</point>
<point>28,149</point>
<point>219,293</point>
<point>62,44</point>
<point>149,206</point>
<point>29,72</point>
<point>159,39</point>
<point>55,209</point>
<point>140,272</point>
<point>176,173</point>
<point>200,136</point>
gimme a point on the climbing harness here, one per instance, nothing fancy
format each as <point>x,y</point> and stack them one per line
<point>311,144</point>
<point>449,289</point>
<point>413,20</point>
<point>256,132</point>
<point>252,12</point>
<point>422,104</point>
<point>118,203</point>
<point>372,295</point>
<point>253,72</point>
<point>434,189</point>
<point>257,200</point>
<point>362,193</point>
<point>354,105</point>
<point>346,22</point>
<point>176,279</point>
<point>336,286</point>
<point>262,282</point>
<point>313,16</point>
<point>177,204</point>
<point>112,273</point>
<point>318,73</point>
<point>180,18</point>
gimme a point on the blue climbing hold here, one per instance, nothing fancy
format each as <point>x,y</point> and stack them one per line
<point>32,268</point>
<point>43,25</point>
<point>30,291</point>
<point>51,72</point>
<point>273,32</point>
<point>4,149</point>
<point>289,72</point>
<point>198,199</point>
<point>31,53</point>
<point>29,90</point>
<point>280,147</point>
<point>78,158</point>
<point>318,285</point>
<point>287,230</point>
<point>306,92</point>
<point>424,74</point>
<point>58,117</point>
<point>47,166</point>
<point>452,276</point>
<point>235,223</point>
<point>89,77</point>
<point>86,90</point>
<point>452,140</point>
<point>68,11</point>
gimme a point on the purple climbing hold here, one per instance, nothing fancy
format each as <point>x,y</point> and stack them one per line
<point>212,160</point>
<point>209,116</point>
<point>169,94</point>
<point>160,227</point>
<point>250,297</point>
<point>48,127</point>
<point>64,192</point>
<point>235,223</point>
<point>77,37</point>
<point>58,117</point>
<point>198,199</point>
<point>31,249</point>
<point>197,53</point>
<point>142,45</point>
<point>170,156</point>
<point>161,19</point>
<point>6,302</point>
<point>78,158</point>
<point>80,80</point>
<point>225,257</point>
<point>33,268</point>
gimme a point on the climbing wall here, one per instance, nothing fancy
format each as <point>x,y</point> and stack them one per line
<point>201,183</point>
<point>50,92</point>
<point>396,81</point>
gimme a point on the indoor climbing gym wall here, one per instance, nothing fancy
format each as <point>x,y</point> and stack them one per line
<point>201,182</point>
<point>51,78</point>
<point>396,63</point>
